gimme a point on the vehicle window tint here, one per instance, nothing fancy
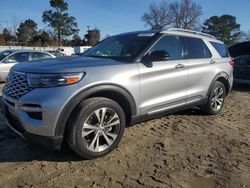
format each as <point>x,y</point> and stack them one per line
<point>196,48</point>
<point>242,60</point>
<point>115,47</point>
<point>20,57</point>
<point>121,47</point>
<point>170,44</point>
<point>39,55</point>
<point>221,49</point>
<point>4,54</point>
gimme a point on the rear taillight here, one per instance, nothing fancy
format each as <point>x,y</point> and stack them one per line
<point>231,62</point>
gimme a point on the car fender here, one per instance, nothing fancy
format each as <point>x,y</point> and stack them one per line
<point>80,96</point>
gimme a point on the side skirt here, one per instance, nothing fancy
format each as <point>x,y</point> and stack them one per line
<point>146,117</point>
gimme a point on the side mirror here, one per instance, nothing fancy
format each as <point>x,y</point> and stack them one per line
<point>158,55</point>
<point>9,61</point>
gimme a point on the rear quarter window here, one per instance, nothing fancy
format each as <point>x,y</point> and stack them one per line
<point>196,48</point>
<point>221,49</point>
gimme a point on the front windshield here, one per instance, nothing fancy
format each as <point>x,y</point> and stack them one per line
<point>121,47</point>
<point>4,54</point>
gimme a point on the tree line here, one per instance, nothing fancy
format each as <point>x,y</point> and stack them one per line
<point>184,14</point>
<point>61,25</point>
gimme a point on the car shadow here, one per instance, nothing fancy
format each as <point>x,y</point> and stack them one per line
<point>195,111</point>
<point>15,149</point>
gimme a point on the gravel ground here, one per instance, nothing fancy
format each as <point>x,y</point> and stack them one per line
<point>185,149</point>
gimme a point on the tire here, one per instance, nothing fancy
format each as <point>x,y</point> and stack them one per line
<point>215,100</point>
<point>89,132</point>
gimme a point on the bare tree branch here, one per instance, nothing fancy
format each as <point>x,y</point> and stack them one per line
<point>157,16</point>
<point>184,14</point>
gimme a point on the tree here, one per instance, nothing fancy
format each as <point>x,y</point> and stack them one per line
<point>2,41</point>
<point>7,37</point>
<point>223,27</point>
<point>92,37</point>
<point>76,41</point>
<point>184,14</point>
<point>26,31</point>
<point>59,19</point>
<point>158,16</point>
<point>41,39</point>
<point>244,36</point>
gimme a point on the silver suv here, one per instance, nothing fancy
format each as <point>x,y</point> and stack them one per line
<point>87,101</point>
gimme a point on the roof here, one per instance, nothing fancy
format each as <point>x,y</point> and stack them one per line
<point>183,32</point>
<point>190,33</point>
<point>18,50</point>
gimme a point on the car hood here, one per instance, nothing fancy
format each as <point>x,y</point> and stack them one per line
<point>64,65</point>
<point>240,49</point>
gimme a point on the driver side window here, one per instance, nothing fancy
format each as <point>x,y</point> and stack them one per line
<point>170,44</point>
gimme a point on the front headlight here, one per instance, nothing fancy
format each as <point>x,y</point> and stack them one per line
<point>53,80</point>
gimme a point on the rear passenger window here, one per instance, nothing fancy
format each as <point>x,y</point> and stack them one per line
<point>39,56</point>
<point>196,48</point>
<point>170,44</point>
<point>221,49</point>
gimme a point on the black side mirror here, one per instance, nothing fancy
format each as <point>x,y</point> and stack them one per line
<point>158,55</point>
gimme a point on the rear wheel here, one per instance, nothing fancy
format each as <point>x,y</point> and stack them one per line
<point>96,127</point>
<point>215,99</point>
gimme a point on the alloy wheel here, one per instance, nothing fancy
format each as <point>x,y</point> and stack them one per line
<point>100,129</point>
<point>218,98</point>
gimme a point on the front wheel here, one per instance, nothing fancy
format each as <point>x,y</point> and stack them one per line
<point>96,127</point>
<point>216,99</point>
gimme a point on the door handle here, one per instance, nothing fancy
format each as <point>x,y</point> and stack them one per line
<point>212,61</point>
<point>179,66</point>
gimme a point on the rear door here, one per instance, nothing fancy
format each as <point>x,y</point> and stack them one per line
<point>200,68</point>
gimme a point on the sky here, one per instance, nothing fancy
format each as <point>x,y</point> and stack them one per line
<point>113,16</point>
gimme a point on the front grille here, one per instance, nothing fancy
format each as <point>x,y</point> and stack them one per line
<point>17,85</point>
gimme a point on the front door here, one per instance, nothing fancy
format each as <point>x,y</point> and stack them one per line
<point>163,83</point>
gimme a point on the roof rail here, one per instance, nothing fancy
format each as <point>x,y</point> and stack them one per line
<point>190,31</point>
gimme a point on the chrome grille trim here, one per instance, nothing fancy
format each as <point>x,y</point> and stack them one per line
<point>17,85</point>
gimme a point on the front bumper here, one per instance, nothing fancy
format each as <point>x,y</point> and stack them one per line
<point>38,111</point>
<point>15,125</point>
<point>35,115</point>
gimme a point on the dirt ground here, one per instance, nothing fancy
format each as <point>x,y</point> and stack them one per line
<point>185,149</point>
